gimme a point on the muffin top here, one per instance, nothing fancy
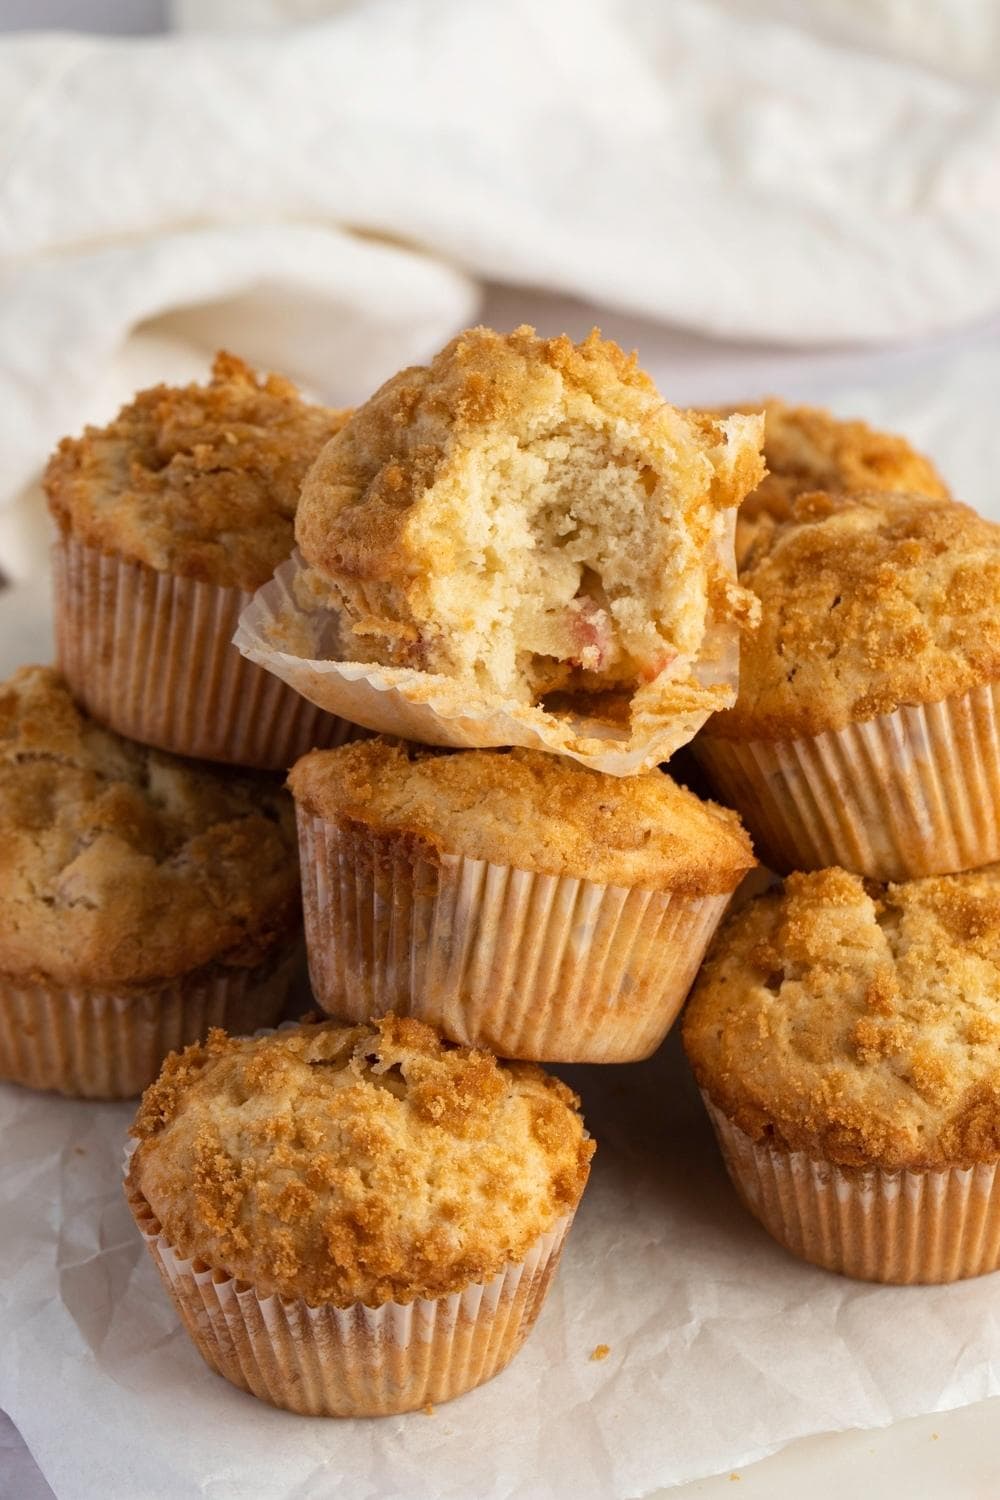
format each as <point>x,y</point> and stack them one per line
<point>867,602</point>
<point>528,809</point>
<point>198,480</point>
<point>369,1163</point>
<point>858,1023</point>
<point>529,517</point>
<point>122,865</point>
<point>807,448</point>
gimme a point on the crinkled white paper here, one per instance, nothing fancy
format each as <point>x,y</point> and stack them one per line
<point>721,1346</point>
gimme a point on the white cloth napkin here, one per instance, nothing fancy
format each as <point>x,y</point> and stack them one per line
<point>326,197</point>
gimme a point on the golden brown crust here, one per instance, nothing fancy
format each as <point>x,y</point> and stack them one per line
<point>357,500</point>
<point>528,516</point>
<point>807,448</point>
<point>534,811</point>
<point>122,865</point>
<point>199,480</point>
<point>368,1163</point>
<point>867,602</point>
<point>858,1023</point>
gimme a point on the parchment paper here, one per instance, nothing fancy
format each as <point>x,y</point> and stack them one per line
<point>722,1347</point>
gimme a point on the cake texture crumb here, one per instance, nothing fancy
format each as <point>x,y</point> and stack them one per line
<point>528,517</point>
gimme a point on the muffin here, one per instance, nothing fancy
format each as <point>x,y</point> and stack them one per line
<point>846,1038</point>
<point>866,729</point>
<point>142,899</point>
<point>167,520</point>
<point>355,1221</point>
<point>520,543</point>
<point>806,448</point>
<point>516,900</point>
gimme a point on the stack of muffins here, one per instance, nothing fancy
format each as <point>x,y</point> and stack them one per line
<point>845,1030</point>
<point>148,896</point>
<point>396,1191</point>
<point>513,595</point>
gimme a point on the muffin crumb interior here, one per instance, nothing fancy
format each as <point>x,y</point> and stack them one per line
<point>529,515</point>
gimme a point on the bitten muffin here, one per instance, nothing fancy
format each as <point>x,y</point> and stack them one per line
<point>168,518</point>
<point>405,1200</point>
<point>142,899</point>
<point>517,900</point>
<point>536,549</point>
<point>865,733</point>
<point>845,1037</point>
<point>807,448</point>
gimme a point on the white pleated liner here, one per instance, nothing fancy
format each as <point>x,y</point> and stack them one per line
<point>915,792</point>
<point>903,1227</point>
<point>298,644</point>
<point>357,1361</point>
<point>105,1045</point>
<point>151,655</point>
<point>540,967</point>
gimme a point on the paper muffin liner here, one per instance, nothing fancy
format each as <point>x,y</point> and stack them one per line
<point>150,654</point>
<point>299,645</point>
<point>543,967</point>
<point>355,1361</point>
<point>915,792</point>
<point>108,1044</point>
<point>903,1227</point>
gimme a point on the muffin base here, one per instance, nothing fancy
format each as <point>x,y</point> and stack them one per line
<point>356,1361</point>
<point>546,968</point>
<point>301,646</point>
<point>901,1227</point>
<point>108,1044</point>
<point>150,655</point>
<point>915,792</point>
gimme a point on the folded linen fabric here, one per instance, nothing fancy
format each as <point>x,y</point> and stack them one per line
<point>328,196</point>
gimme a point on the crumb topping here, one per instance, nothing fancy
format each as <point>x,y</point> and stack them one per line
<point>525,808</point>
<point>867,602</point>
<point>120,864</point>
<point>367,1163</point>
<point>807,448</point>
<point>200,480</point>
<point>858,1023</point>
